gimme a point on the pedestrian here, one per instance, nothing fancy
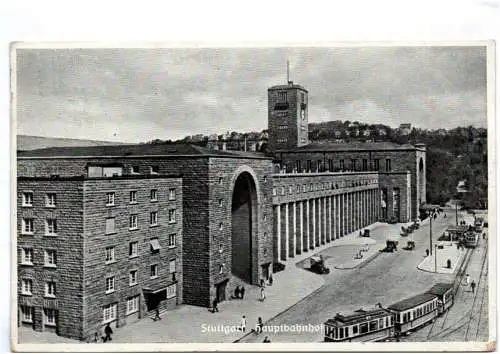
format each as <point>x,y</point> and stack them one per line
<point>157,314</point>
<point>262,294</point>
<point>473,286</point>
<point>467,279</point>
<point>427,252</point>
<point>262,283</point>
<point>266,340</point>
<point>242,292</point>
<point>259,326</point>
<point>237,292</point>
<point>271,279</point>
<point>214,306</point>
<point>484,235</point>
<point>108,332</point>
<point>243,324</point>
<point>96,337</point>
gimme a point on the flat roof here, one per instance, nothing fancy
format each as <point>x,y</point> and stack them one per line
<point>287,86</point>
<point>357,316</point>
<point>440,288</point>
<point>135,150</point>
<point>352,146</point>
<point>411,302</point>
<point>85,178</point>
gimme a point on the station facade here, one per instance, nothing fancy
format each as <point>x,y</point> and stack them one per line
<point>236,215</point>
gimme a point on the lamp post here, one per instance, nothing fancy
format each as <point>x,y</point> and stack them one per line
<point>430,231</point>
<point>435,259</point>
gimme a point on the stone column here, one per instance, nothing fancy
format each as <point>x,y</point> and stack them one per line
<point>294,236</point>
<point>318,222</point>
<point>330,213</point>
<point>300,239</point>
<point>314,223</point>
<point>308,225</point>
<point>325,217</point>
<point>278,231</point>
<point>287,230</point>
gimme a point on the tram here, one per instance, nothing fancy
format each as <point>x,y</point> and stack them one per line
<point>414,312</point>
<point>471,239</point>
<point>361,326</point>
<point>444,293</point>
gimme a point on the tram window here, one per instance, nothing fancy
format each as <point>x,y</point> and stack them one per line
<point>347,332</point>
<point>386,322</point>
<point>355,329</point>
<point>381,323</point>
<point>373,325</point>
<point>336,333</point>
<point>341,334</point>
<point>363,328</point>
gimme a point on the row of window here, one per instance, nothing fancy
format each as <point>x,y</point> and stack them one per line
<point>361,328</point>
<point>314,187</point>
<point>321,165</point>
<point>27,288</point>
<point>416,313</point>
<point>153,196</point>
<point>28,226</point>
<point>50,257</point>
<point>50,199</point>
<point>49,315</point>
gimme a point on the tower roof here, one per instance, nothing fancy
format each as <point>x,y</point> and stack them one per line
<point>290,85</point>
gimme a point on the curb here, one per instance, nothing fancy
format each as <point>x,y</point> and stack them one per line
<point>361,264</point>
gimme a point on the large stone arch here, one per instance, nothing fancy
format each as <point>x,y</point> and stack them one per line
<point>244,198</point>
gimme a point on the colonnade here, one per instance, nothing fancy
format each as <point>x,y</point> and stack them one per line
<point>303,225</point>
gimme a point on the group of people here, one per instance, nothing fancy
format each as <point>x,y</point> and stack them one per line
<point>472,284</point>
<point>239,293</point>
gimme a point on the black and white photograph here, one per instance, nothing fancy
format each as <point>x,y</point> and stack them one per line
<point>330,195</point>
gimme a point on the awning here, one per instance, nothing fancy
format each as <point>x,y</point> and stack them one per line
<point>151,291</point>
<point>155,244</point>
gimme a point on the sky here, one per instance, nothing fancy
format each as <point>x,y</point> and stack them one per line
<point>135,95</point>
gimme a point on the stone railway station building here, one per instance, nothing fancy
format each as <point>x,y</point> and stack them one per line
<point>107,234</point>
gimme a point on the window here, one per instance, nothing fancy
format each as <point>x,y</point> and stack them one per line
<point>51,227</point>
<point>132,277</point>
<point>49,317</point>
<point>109,313</point>
<point>153,218</point>
<point>27,199</point>
<point>373,325</point>
<point>220,202</point>
<point>50,200</point>
<point>50,289</point>
<point>110,284</point>
<point>110,198</point>
<point>132,249</point>
<point>353,164</point>
<point>221,226</point>
<point>376,164</point>
<point>154,271</point>
<point>274,192</point>
<point>133,197</point>
<point>133,222</point>
<point>388,165</point>
<point>27,256</point>
<point>320,166</point>
<point>27,313</point>
<point>171,291</point>
<point>309,165</point>
<point>298,166</point>
<point>354,329</point>
<point>282,97</point>
<point>26,286</point>
<point>171,240</point>
<point>342,164</point>
<point>171,266</point>
<point>265,179</point>
<point>134,170</point>
<point>27,226</point>
<point>155,245</point>
<point>221,268</point>
<point>220,180</point>
<point>110,226</point>
<point>50,258</point>
<point>330,165</point>
<point>341,332</point>
<point>171,194</point>
<point>171,215</point>
<point>365,165</point>
<point>154,170</point>
<point>265,217</point>
<point>154,195</point>
<point>110,254</point>
<point>132,305</point>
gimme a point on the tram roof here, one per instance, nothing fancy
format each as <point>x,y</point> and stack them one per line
<point>440,288</point>
<point>412,302</point>
<point>356,317</point>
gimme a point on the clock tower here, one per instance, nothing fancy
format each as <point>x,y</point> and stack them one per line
<point>287,116</point>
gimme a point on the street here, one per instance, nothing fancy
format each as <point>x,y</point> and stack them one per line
<point>390,277</point>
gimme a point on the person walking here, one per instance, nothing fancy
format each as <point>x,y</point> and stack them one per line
<point>262,293</point>
<point>259,326</point>
<point>157,313</point>
<point>467,280</point>
<point>266,340</point>
<point>271,279</point>
<point>214,306</point>
<point>473,286</point>
<point>242,292</point>
<point>108,332</point>
<point>243,324</point>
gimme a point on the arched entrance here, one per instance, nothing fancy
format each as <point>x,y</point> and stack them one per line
<point>244,226</point>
